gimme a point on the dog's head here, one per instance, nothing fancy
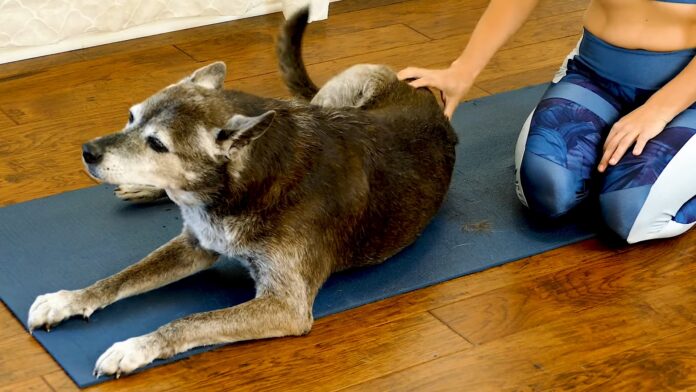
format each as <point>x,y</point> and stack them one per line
<point>177,138</point>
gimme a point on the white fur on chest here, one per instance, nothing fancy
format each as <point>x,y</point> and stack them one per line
<point>218,235</point>
<point>211,235</point>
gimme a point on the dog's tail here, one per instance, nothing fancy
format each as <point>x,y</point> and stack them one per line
<point>289,51</point>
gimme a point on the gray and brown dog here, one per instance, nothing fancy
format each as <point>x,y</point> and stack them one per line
<point>296,190</point>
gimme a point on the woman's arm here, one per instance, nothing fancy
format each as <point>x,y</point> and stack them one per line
<point>651,118</point>
<point>498,23</point>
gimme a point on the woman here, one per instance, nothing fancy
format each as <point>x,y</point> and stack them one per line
<point>624,102</point>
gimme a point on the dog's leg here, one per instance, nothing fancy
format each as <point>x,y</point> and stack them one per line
<point>283,311</point>
<point>177,259</point>
<point>260,318</point>
<point>355,87</point>
<point>139,193</point>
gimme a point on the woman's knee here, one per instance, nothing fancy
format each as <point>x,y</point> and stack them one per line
<point>620,210</point>
<point>546,187</point>
<point>631,217</point>
<point>542,185</point>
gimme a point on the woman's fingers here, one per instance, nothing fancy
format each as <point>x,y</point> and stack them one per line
<point>411,73</point>
<point>616,146</point>
<point>621,149</point>
<point>443,80</point>
<point>422,82</point>
<point>640,144</point>
<point>610,146</point>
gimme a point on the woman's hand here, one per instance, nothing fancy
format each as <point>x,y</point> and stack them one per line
<point>639,126</point>
<point>452,82</point>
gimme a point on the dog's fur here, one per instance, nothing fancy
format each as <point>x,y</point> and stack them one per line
<point>294,189</point>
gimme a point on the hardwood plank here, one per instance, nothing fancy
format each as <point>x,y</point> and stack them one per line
<point>9,326</point>
<point>30,149</point>
<point>518,80</point>
<point>5,121</point>
<point>445,20</point>
<point>36,384</point>
<point>234,42</point>
<point>668,364</point>
<point>338,352</point>
<point>22,358</point>
<point>506,363</point>
<point>503,75</point>
<point>343,6</point>
<point>520,55</point>
<point>441,14</point>
<point>529,57</point>
<point>60,382</point>
<point>675,298</point>
<point>261,58</point>
<point>268,22</point>
<point>88,87</point>
<point>36,65</point>
<point>518,307</point>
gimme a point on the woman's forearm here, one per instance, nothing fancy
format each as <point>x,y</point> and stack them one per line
<point>499,22</point>
<point>677,95</point>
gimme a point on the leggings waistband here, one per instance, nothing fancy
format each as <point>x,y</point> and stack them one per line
<point>632,67</point>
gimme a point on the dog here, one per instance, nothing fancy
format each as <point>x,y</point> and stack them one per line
<point>338,177</point>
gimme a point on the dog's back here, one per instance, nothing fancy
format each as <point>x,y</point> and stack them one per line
<point>406,148</point>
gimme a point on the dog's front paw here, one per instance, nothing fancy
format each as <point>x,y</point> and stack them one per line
<point>128,355</point>
<point>139,193</point>
<point>50,309</point>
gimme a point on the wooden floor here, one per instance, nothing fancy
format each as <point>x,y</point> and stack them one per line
<point>588,316</point>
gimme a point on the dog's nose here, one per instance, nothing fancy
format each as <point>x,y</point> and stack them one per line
<point>91,153</point>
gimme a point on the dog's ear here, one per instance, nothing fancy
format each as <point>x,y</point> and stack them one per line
<point>241,130</point>
<point>211,76</point>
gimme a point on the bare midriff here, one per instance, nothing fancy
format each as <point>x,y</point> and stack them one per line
<point>643,24</point>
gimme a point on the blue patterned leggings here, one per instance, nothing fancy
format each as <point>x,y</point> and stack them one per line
<point>642,197</point>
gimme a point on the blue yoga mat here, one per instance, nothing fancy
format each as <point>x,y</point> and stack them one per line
<point>70,240</point>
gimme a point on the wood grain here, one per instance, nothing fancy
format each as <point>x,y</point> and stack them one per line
<point>36,384</point>
<point>589,316</point>
<point>36,65</point>
<point>511,309</point>
<point>60,382</point>
<point>513,81</point>
<point>260,58</point>
<point>337,353</point>
<point>668,364</point>
<point>457,18</point>
<point>5,121</point>
<point>22,358</point>
<point>583,338</point>
<point>9,326</point>
<point>87,87</point>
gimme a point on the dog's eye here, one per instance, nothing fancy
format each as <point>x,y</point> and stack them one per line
<point>156,144</point>
<point>130,117</point>
<point>223,135</point>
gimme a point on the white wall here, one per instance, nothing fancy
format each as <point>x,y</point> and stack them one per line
<point>32,28</point>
